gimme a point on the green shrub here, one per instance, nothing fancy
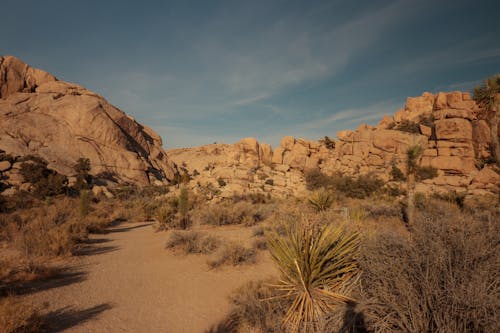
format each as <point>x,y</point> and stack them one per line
<point>46,182</point>
<point>83,178</point>
<point>426,172</point>
<point>315,179</point>
<point>397,174</point>
<point>360,187</point>
<point>408,126</point>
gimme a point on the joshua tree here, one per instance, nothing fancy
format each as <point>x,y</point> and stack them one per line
<point>488,97</point>
<point>317,265</point>
<point>413,155</point>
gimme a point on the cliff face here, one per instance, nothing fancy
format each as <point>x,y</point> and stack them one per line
<point>451,128</point>
<point>61,122</point>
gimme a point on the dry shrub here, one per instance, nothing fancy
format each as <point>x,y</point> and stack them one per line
<point>233,254</point>
<point>193,242</point>
<point>254,305</point>
<point>260,244</point>
<point>442,278</point>
<point>381,210</point>
<point>47,230</point>
<point>225,213</point>
<point>18,317</point>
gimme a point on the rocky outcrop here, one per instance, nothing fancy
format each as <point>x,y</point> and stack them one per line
<point>450,127</point>
<point>61,122</point>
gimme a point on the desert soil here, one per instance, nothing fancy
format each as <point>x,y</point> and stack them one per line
<point>126,281</point>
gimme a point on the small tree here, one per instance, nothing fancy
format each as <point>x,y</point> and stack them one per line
<point>83,178</point>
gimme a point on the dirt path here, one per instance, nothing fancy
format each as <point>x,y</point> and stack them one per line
<point>127,282</point>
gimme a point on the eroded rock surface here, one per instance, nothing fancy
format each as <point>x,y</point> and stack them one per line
<point>62,122</point>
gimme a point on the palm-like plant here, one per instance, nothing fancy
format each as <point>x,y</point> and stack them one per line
<point>317,266</point>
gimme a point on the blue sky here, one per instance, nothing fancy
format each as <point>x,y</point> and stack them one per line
<point>215,71</point>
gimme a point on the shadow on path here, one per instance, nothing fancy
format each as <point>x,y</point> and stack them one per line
<point>228,325</point>
<point>124,229</point>
<point>66,317</point>
<point>61,278</point>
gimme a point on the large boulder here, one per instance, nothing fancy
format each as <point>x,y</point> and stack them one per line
<point>62,122</point>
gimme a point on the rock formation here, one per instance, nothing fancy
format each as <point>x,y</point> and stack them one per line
<point>61,122</point>
<point>451,128</point>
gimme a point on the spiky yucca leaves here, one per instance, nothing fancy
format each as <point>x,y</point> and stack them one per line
<point>317,265</point>
<point>321,200</point>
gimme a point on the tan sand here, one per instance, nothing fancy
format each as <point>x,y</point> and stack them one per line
<point>128,282</point>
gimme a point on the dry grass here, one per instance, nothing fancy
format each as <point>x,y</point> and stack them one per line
<point>233,254</point>
<point>226,213</point>
<point>18,317</point>
<point>193,242</point>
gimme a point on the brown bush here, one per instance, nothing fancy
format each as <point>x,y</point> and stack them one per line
<point>228,213</point>
<point>18,317</point>
<point>443,278</point>
<point>233,254</point>
<point>193,242</point>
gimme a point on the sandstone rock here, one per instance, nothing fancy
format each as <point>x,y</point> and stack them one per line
<point>452,164</point>
<point>453,113</point>
<point>278,155</point>
<point>4,166</point>
<point>287,142</point>
<point>266,153</point>
<point>386,122</point>
<point>426,130</point>
<point>420,106</point>
<point>441,101</point>
<point>454,129</point>
<point>486,176</point>
<point>62,122</point>
<point>296,157</point>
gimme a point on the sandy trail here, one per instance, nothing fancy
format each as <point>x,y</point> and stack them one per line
<point>128,282</point>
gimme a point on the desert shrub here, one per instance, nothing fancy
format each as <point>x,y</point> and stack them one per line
<point>83,178</point>
<point>193,242</point>
<point>254,305</point>
<point>397,174</point>
<point>17,316</point>
<point>454,197</point>
<point>260,244</point>
<point>46,182</point>
<point>327,142</point>
<point>321,200</point>
<point>426,172</point>
<point>444,278</point>
<point>484,94</point>
<point>377,210</point>
<point>359,187</point>
<point>254,198</point>
<point>221,182</point>
<point>315,179</point>
<point>317,266</point>
<point>47,230</point>
<point>393,190</point>
<point>408,126</point>
<point>233,254</point>
<point>258,232</point>
<point>229,213</point>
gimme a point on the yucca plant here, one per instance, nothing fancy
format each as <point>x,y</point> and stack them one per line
<point>321,200</point>
<point>317,266</point>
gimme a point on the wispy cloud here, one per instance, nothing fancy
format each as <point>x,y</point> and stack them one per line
<point>348,116</point>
